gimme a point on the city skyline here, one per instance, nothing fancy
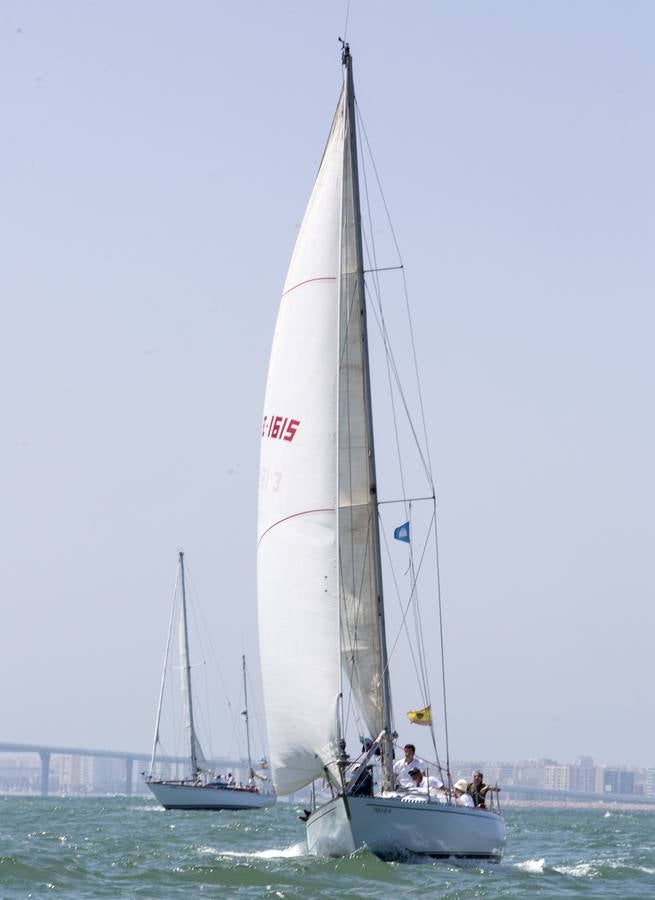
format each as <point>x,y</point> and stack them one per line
<point>532,780</point>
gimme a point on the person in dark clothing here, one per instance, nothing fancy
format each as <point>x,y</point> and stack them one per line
<point>361,784</point>
<point>479,790</point>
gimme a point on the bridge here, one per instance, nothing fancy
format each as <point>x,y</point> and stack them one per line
<point>510,791</point>
<point>45,752</point>
<point>525,792</point>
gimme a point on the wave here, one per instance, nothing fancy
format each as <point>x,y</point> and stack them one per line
<point>533,866</point>
<point>580,870</point>
<point>291,852</point>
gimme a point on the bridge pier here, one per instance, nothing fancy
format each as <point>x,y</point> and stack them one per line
<point>45,771</point>
<point>129,763</point>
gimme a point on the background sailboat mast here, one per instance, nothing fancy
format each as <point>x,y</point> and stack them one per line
<point>350,161</point>
<point>245,713</point>
<point>187,672</point>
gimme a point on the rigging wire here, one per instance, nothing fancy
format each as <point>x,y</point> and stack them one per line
<point>418,625</point>
<point>441,643</point>
<point>256,717</point>
<point>204,629</point>
<point>411,597</point>
<point>424,688</point>
<point>379,312</point>
<point>403,624</point>
<point>427,462</point>
<point>345,27</point>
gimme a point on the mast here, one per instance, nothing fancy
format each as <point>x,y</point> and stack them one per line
<point>245,713</point>
<point>350,159</point>
<point>187,672</point>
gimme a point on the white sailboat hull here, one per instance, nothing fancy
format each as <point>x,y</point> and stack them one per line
<point>391,828</point>
<point>176,795</point>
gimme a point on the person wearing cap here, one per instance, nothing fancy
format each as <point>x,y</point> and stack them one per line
<point>426,784</point>
<point>460,794</point>
<point>478,790</point>
<point>401,767</point>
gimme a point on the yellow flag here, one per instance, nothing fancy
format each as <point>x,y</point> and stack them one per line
<point>420,716</point>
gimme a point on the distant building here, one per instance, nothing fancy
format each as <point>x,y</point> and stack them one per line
<point>614,780</point>
<point>582,776</point>
<point>532,772</point>
<point>74,774</point>
<point>557,778</point>
<point>19,774</point>
<point>498,773</point>
<point>649,783</point>
<point>108,775</point>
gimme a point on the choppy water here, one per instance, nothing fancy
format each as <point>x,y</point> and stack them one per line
<point>132,848</point>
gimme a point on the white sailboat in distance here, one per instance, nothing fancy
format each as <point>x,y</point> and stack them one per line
<point>319,571</point>
<point>201,788</point>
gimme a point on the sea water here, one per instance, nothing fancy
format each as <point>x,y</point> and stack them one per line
<point>120,847</point>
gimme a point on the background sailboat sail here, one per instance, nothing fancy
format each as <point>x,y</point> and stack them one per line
<point>297,575</point>
<point>197,757</point>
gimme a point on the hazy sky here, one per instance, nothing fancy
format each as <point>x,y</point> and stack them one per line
<point>156,160</point>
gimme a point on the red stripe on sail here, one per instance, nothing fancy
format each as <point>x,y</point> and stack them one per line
<point>309,281</point>
<point>306,512</point>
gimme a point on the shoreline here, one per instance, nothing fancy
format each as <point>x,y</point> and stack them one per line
<point>591,805</point>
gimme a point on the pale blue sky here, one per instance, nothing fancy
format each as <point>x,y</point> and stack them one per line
<point>156,158</point>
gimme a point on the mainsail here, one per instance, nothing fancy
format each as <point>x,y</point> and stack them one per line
<point>198,760</point>
<point>358,524</point>
<point>318,556</point>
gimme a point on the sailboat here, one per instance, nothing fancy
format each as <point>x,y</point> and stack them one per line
<point>319,571</point>
<point>201,788</point>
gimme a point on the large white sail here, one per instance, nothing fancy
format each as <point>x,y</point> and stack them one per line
<point>298,594</point>
<point>318,561</point>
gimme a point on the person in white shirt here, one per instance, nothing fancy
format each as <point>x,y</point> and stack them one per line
<point>460,795</point>
<point>401,767</point>
<point>427,784</point>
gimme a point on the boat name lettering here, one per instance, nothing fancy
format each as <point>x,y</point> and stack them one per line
<point>282,428</point>
<point>382,809</point>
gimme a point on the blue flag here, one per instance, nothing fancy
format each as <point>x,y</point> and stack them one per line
<point>402,533</point>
